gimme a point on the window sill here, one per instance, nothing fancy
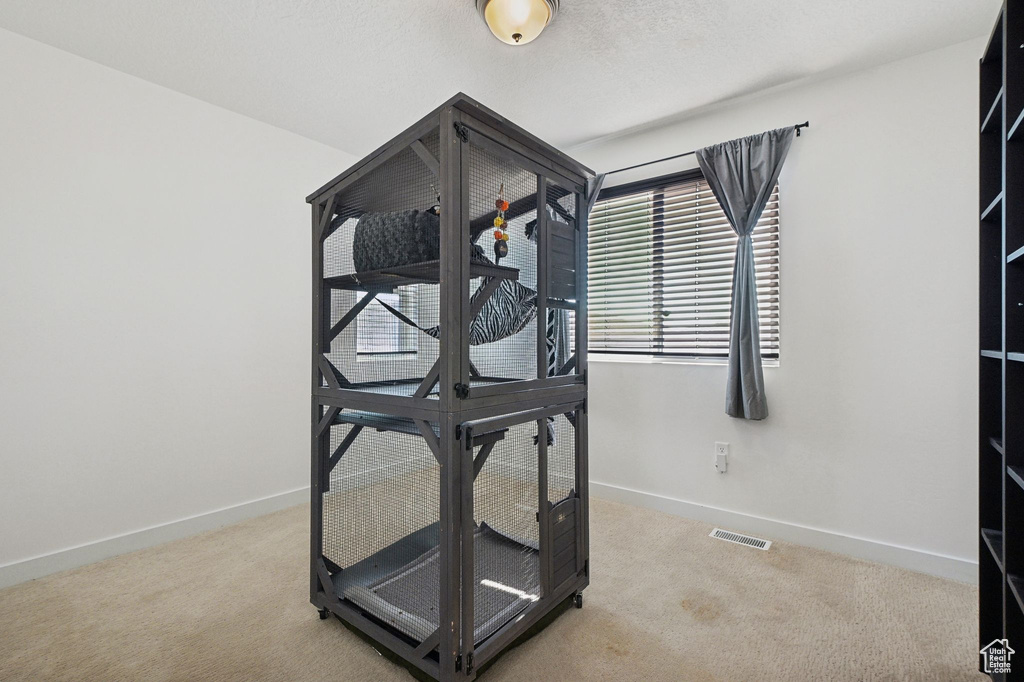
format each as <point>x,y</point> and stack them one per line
<point>657,360</point>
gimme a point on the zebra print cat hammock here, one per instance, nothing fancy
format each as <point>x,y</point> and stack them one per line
<point>506,312</point>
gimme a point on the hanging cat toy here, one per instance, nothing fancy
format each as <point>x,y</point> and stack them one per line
<point>500,226</point>
<point>436,208</point>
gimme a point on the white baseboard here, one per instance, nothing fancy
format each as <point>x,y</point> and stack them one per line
<point>73,557</point>
<point>954,568</point>
<point>923,561</point>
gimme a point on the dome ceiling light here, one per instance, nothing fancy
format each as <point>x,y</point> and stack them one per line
<point>517,22</point>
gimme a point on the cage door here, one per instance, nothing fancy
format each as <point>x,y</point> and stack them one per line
<point>561,262</point>
<point>566,541</point>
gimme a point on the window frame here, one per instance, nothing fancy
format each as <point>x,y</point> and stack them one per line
<point>653,184</point>
<point>407,335</point>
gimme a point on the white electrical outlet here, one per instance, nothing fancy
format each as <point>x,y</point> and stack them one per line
<point>722,457</point>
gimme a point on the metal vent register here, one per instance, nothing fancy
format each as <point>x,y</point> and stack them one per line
<point>740,539</point>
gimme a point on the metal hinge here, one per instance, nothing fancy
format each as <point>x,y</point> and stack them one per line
<point>461,132</point>
<point>458,663</point>
<point>461,391</point>
<point>465,435</point>
<point>469,663</point>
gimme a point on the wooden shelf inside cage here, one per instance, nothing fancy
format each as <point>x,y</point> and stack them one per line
<point>386,422</point>
<point>427,272</point>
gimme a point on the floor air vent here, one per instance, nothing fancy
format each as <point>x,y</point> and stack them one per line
<point>740,539</point>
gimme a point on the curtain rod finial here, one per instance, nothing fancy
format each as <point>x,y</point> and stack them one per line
<point>798,126</point>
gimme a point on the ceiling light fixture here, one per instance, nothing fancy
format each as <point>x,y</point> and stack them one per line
<point>517,22</point>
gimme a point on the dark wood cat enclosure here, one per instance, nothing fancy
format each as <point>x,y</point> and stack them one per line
<point>449,423</point>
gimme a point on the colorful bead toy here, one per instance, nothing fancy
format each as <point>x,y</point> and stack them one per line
<point>501,230</point>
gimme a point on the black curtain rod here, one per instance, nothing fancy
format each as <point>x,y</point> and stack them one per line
<point>797,127</point>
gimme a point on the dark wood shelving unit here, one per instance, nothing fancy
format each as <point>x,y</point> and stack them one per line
<point>992,112</point>
<point>993,540</point>
<point>1017,588</point>
<point>1015,126</point>
<point>990,210</point>
<point>1001,333</point>
<point>1017,474</point>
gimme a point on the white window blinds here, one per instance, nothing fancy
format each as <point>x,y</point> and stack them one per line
<point>378,332</point>
<point>660,261</point>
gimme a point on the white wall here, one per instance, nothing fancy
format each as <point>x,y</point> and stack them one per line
<point>154,272</point>
<point>874,405</point>
<point>154,275</point>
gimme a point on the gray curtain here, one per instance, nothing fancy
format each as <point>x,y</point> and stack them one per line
<point>742,174</point>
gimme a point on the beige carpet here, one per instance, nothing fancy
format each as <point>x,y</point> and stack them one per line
<point>665,603</point>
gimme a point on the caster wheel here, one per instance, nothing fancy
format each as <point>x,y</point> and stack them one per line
<point>324,614</point>
<point>579,600</point>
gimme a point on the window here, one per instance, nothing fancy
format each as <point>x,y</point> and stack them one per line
<point>660,261</point>
<point>379,332</point>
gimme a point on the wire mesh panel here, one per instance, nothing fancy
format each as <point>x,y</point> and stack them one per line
<point>506,560</point>
<point>379,351</point>
<point>381,521</point>
<point>562,457</point>
<point>561,280</point>
<point>566,521</point>
<point>503,335</point>
<point>562,203</point>
<point>381,259</point>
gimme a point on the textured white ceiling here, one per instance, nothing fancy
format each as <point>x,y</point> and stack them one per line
<point>354,73</point>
